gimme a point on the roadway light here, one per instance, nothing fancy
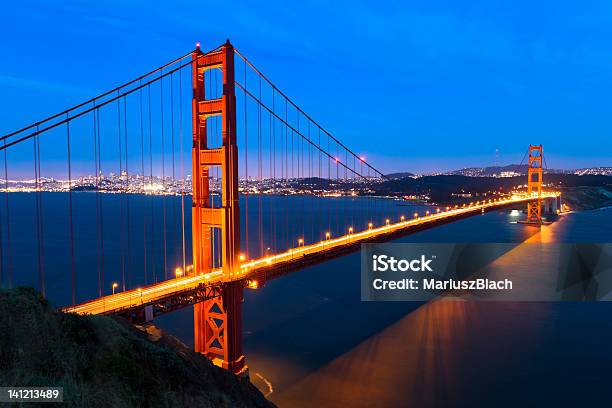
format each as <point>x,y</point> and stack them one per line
<point>115,284</point>
<point>387,221</point>
<point>300,242</point>
<point>350,230</point>
<point>253,284</point>
<point>241,257</point>
<point>426,213</point>
<point>370,225</point>
<point>438,210</point>
<point>327,235</point>
<point>178,272</point>
<point>402,218</point>
<point>447,208</point>
<point>416,215</point>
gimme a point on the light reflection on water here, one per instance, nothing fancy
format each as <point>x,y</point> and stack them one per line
<point>318,345</point>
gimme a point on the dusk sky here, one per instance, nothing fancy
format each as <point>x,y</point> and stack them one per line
<point>415,86</point>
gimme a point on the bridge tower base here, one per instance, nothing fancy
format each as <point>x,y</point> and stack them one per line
<point>218,329</point>
<point>217,321</point>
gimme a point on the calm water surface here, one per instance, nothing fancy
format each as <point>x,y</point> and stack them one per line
<point>308,338</point>
<point>316,344</point>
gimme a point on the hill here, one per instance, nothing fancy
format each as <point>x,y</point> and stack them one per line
<point>586,191</point>
<point>106,362</point>
<point>498,170</point>
<point>399,175</point>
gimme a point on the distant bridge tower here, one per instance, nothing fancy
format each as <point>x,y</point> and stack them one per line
<point>534,184</point>
<point>218,321</point>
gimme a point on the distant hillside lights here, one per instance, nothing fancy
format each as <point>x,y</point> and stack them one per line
<point>595,171</point>
<point>156,185</point>
<point>507,174</point>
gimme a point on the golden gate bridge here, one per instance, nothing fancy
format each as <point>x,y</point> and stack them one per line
<point>255,212</point>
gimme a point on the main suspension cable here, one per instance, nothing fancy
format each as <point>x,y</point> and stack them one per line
<point>300,110</point>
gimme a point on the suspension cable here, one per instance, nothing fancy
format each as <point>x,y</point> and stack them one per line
<point>99,105</point>
<point>300,110</point>
<point>100,96</point>
<point>293,129</point>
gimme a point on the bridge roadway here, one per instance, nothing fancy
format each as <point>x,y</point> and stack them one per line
<point>182,291</point>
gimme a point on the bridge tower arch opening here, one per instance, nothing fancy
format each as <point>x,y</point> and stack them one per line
<point>534,184</point>
<point>217,321</point>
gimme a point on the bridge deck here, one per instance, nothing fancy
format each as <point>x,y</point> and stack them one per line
<point>275,265</point>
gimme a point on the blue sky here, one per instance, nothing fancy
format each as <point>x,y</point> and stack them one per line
<point>415,86</point>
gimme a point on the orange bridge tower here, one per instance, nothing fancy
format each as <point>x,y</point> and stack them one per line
<point>217,321</point>
<point>534,184</point>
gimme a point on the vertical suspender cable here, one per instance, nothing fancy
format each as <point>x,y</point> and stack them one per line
<point>172,147</point>
<point>271,239</point>
<point>338,210</point>
<point>128,191</point>
<point>320,175</point>
<point>311,177</point>
<point>182,168</point>
<point>151,207</point>
<point>121,195</point>
<point>163,148</point>
<point>42,236</point>
<point>37,206</point>
<point>100,206</point>
<point>142,165</point>
<point>353,189</point>
<point>287,197</point>
<point>259,171</point>
<point>273,175</point>
<point>300,142</point>
<point>70,217</point>
<point>95,148</point>
<point>41,279</point>
<point>246,170</point>
<point>9,256</point>
<point>329,180</point>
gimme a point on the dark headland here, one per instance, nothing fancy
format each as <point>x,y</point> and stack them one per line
<point>106,362</point>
